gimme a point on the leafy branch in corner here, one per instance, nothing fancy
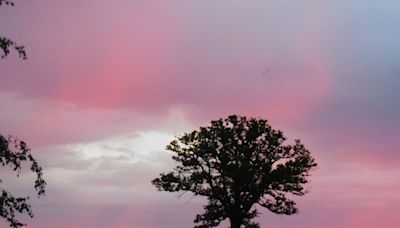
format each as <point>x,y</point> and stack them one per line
<point>7,44</point>
<point>14,153</point>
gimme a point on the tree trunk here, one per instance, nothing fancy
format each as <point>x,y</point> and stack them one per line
<point>236,222</point>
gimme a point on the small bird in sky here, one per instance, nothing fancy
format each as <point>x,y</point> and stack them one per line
<point>266,71</point>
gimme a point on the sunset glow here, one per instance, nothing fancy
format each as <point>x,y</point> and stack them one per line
<point>108,84</point>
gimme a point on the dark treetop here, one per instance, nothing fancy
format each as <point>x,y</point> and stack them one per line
<point>238,163</point>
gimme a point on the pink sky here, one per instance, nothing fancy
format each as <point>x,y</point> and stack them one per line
<point>108,84</point>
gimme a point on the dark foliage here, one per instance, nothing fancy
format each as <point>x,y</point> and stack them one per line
<point>13,153</point>
<point>7,44</point>
<point>7,2</point>
<point>238,163</point>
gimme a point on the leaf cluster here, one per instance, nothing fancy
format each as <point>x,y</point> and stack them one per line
<point>7,44</point>
<point>13,153</point>
<point>7,2</point>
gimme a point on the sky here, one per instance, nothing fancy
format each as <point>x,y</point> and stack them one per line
<point>108,84</point>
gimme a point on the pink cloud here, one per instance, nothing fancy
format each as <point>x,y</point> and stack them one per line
<point>150,60</point>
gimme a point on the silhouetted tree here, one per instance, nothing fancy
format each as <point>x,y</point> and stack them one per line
<point>13,153</point>
<point>6,44</point>
<point>238,163</point>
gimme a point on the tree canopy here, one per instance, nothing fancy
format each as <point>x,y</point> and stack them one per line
<point>240,165</point>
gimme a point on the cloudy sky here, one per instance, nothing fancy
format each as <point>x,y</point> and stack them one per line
<point>109,83</point>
